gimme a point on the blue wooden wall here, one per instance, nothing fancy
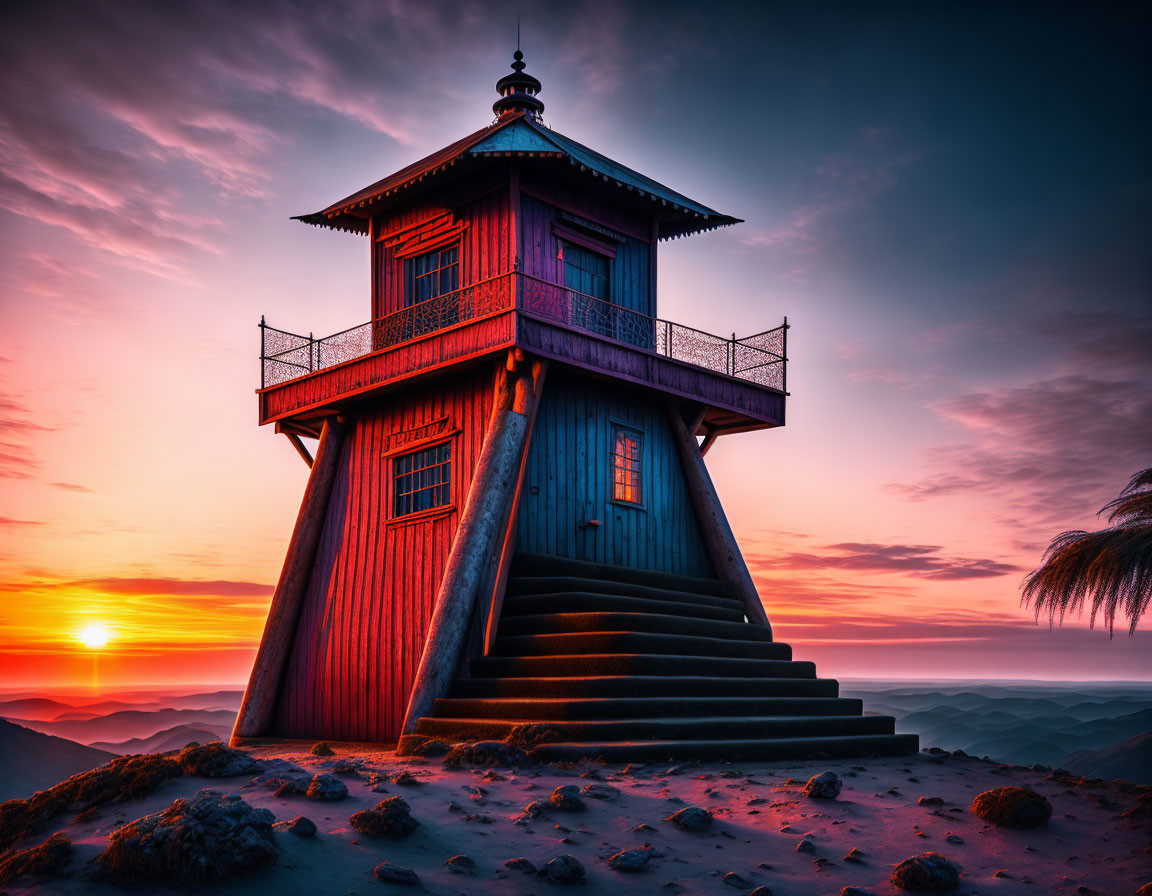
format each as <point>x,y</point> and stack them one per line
<point>628,270</point>
<point>568,482</point>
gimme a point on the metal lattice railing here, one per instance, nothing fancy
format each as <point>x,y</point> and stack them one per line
<point>761,359</point>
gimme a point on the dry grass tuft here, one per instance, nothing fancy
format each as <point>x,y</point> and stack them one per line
<point>44,860</point>
<point>124,779</point>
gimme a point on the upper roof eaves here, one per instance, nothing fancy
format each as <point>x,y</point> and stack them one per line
<point>679,214</point>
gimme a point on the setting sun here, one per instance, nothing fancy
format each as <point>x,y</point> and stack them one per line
<point>95,635</point>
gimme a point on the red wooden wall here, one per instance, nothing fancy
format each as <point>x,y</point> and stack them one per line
<point>486,248</point>
<point>361,629</point>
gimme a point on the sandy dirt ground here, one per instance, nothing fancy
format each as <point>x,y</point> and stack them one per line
<point>760,817</point>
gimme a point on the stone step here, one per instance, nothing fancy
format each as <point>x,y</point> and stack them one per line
<point>590,601</point>
<point>541,565</point>
<point>555,623</point>
<point>547,709</point>
<point>636,642</point>
<point>635,664</point>
<point>735,750</point>
<point>565,688</point>
<point>664,728</point>
<point>527,586</point>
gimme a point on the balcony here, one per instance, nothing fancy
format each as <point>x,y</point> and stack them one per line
<point>301,373</point>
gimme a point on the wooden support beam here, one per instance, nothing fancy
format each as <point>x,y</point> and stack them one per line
<point>300,448</point>
<point>497,576</point>
<point>718,538</point>
<point>263,690</point>
<point>493,484</point>
<point>709,441</point>
<point>697,419</point>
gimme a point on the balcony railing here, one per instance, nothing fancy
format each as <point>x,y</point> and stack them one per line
<point>761,358</point>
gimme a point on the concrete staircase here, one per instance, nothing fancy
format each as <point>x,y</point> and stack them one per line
<point>626,664</point>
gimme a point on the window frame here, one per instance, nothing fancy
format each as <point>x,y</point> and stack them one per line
<point>616,427</point>
<point>411,278</point>
<point>395,456</point>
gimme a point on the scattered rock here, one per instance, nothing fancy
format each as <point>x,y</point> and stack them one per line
<point>124,779</point>
<point>536,808</point>
<point>806,845</point>
<point>856,891</point>
<point>1012,807</point>
<point>854,857</point>
<point>421,745</point>
<point>632,767</point>
<point>761,891</point>
<point>600,792</point>
<point>322,749</point>
<point>567,798</point>
<point>643,828</point>
<point>954,838</point>
<point>930,871</point>
<point>405,779</point>
<point>564,869</point>
<point>215,760</point>
<point>691,818</point>
<point>493,775</point>
<point>45,860</point>
<point>344,768</point>
<point>301,826</point>
<point>735,881</point>
<point>824,786</point>
<point>461,865</point>
<point>206,839</point>
<point>390,818</point>
<point>930,801</point>
<point>326,787</point>
<point>1005,875</point>
<point>630,860</point>
<point>521,864</point>
<point>489,752</point>
<point>394,874</point>
<point>1145,890</point>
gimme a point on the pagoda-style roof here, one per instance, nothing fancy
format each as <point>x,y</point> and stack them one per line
<point>520,134</point>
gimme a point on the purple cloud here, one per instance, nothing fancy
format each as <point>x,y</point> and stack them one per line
<point>921,561</point>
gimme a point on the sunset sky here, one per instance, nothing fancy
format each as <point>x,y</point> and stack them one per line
<point>952,207</point>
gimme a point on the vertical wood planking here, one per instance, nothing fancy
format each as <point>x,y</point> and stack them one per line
<point>568,482</point>
<point>373,584</point>
<point>629,270</point>
<point>487,246</point>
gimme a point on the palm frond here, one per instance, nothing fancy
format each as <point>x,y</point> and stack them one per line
<point>1110,569</point>
<point>1134,505</point>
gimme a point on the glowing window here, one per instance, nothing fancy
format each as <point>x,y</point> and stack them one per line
<point>626,468</point>
<point>422,479</point>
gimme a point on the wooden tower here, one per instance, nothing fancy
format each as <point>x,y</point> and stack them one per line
<point>508,518</point>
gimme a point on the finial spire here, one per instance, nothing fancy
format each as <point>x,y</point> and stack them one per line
<point>518,91</point>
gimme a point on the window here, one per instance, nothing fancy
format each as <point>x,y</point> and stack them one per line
<point>585,271</point>
<point>586,274</point>
<point>432,274</point>
<point>626,447</point>
<point>422,479</point>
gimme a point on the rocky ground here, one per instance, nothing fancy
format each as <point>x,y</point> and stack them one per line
<point>374,822</point>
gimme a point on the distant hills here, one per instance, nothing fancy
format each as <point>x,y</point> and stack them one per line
<point>1084,728</point>
<point>30,761</point>
<point>117,727</point>
<point>162,741</point>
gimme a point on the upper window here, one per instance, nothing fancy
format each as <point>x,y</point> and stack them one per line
<point>422,479</point>
<point>626,465</point>
<point>432,274</point>
<point>585,271</point>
